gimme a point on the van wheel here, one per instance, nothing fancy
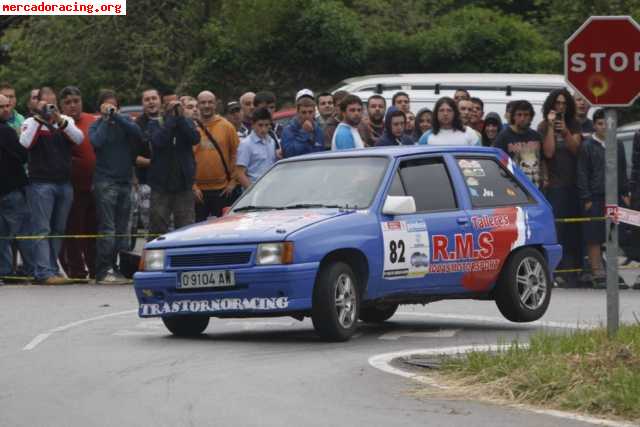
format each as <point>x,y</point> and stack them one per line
<point>378,314</point>
<point>186,326</point>
<point>336,302</point>
<point>523,291</point>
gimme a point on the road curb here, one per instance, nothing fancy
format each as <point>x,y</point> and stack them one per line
<point>383,363</point>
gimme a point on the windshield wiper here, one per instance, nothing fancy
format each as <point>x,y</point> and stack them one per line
<point>256,208</point>
<point>312,205</point>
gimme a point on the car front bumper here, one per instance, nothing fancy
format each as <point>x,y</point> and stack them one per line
<point>259,290</point>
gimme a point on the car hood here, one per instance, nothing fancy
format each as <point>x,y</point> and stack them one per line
<point>250,227</point>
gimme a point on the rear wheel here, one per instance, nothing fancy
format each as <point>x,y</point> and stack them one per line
<point>523,291</point>
<point>378,313</point>
<point>336,302</point>
<point>186,326</point>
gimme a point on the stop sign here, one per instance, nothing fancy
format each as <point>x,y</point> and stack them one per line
<point>602,60</point>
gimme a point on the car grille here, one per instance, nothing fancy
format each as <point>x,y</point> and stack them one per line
<point>208,260</point>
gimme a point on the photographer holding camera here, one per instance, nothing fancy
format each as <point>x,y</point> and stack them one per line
<point>561,142</point>
<point>49,137</point>
<point>114,137</point>
<point>172,170</point>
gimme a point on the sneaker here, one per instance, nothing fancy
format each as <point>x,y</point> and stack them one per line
<point>1,282</point>
<point>53,280</point>
<point>112,278</point>
<point>585,280</point>
<point>559,282</point>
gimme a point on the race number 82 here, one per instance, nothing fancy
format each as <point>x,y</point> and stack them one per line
<point>396,251</point>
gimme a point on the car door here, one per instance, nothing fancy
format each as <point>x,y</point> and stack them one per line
<point>499,208</point>
<point>436,233</point>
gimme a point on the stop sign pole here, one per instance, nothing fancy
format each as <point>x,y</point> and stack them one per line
<point>602,63</point>
<point>611,199</point>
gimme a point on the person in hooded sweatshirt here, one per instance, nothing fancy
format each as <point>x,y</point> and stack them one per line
<point>394,124</point>
<point>491,127</point>
<point>424,120</point>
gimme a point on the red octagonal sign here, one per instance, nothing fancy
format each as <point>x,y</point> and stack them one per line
<point>602,60</point>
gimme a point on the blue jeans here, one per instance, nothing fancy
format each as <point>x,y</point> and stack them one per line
<point>113,204</point>
<point>25,247</point>
<point>565,204</point>
<point>50,204</point>
<point>13,211</point>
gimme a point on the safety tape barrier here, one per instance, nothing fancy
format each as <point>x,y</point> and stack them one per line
<point>582,219</point>
<point>80,236</point>
<point>74,281</point>
<point>624,215</point>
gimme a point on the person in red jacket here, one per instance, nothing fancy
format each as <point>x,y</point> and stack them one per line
<point>78,256</point>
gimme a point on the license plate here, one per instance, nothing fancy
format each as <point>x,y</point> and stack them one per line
<point>206,279</point>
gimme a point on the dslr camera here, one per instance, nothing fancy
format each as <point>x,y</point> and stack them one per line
<point>47,110</point>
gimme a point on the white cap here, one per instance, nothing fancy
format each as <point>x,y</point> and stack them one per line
<point>304,92</point>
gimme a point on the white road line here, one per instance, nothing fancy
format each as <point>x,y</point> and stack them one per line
<point>442,333</point>
<point>37,340</point>
<point>501,321</point>
<point>383,363</point>
<point>41,337</point>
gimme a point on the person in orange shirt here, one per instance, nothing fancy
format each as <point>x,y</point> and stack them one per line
<point>216,176</point>
<point>79,255</point>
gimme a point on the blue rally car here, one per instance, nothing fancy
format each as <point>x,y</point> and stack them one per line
<point>350,235</point>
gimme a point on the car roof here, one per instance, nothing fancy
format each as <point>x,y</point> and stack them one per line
<point>462,79</point>
<point>396,152</point>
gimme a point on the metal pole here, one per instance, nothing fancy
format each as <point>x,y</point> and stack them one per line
<point>611,192</point>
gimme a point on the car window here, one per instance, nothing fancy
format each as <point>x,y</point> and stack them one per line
<point>490,184</point>
<point>427,180</point>
<point>345,182</point>
<point>396,189</point>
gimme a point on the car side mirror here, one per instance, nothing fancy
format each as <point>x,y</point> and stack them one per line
<point>399,205</point>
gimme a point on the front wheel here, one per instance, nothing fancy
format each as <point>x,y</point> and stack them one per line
<point>186,326</point>
<point>523,291</point>
<point>336,302</point>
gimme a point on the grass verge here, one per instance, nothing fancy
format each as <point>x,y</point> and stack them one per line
<point>584,371</point>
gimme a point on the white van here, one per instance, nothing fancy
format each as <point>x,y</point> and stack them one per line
<point>495,90</point>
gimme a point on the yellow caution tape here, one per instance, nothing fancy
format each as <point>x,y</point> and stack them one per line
<point>78,236</point>
<point>585,219</point>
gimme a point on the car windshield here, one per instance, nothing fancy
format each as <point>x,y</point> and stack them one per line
<point>330,182</point>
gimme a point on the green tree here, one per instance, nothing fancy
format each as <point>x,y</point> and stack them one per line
<point>474,39</point>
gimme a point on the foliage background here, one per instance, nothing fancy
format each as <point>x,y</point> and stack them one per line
<point>231,46</point>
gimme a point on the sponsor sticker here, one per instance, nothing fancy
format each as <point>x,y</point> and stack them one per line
<point>406,249</point>
<point>213,305</point>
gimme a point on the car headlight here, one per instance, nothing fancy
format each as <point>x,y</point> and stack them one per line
<point>153,259</point>
<point>275,253</point>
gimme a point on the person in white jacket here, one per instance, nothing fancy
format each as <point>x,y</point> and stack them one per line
<point>49,136</point>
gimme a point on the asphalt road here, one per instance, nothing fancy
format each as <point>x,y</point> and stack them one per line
<point>79,356</point>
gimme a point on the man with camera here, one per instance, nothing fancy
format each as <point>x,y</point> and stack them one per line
<point>172,171</point>
<point>49,137</point>
<point>561,140</point>
<point>114,137</point>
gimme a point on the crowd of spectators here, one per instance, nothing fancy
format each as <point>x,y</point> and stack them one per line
<point>64,172</point>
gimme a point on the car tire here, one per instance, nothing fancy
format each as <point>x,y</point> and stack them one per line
<point>336,302</point>
<point>378,313</point>
<point>523,290</point>
<point>186,326</point>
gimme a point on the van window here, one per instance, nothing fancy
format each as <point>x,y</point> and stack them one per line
<point>490,184</point>
<point>427,180</point>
